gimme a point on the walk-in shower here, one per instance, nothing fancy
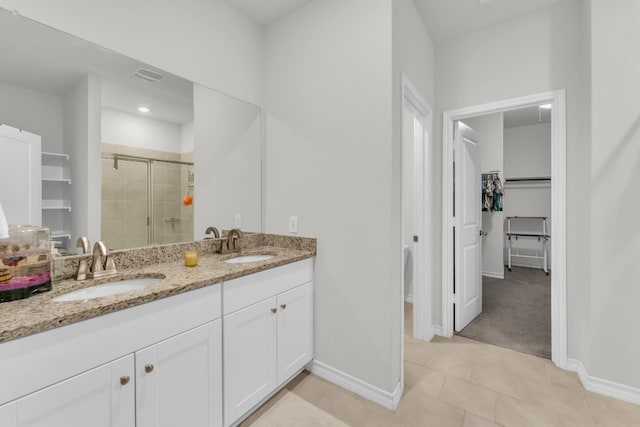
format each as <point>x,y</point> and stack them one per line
<point>142,201</point>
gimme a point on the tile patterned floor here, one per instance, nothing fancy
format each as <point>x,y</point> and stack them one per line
<point>458,382</point>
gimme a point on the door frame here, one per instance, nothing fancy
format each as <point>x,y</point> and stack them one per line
<point>422,171</point>
<point>557,99</point>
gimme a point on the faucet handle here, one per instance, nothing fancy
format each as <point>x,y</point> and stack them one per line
<point>83,269</point>
<point>232,239</point>
<point>110,265</point>
<point>101,268</point>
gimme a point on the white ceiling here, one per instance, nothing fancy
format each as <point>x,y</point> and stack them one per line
<point>443,18</point>
<point>265,12</point>
<point>451,18</point>
<point>40,58</point>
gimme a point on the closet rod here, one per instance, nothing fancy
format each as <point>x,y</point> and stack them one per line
<point>541,178</point>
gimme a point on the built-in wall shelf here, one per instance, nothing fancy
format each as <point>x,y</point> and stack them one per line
<point>58,234</point>
<point>56,208</point>
<point>55,155</point>
<point>65,180</point>
<point>56,196</point>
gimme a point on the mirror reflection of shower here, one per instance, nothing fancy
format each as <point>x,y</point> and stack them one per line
<point>143,201</point>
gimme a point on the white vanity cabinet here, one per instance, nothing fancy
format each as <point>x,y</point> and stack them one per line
<point>267,334</point>
<point>169,372</point>
<point>178,380</point>
<point>295,330</point>
<point>96,398</point>
<point>175,382</point>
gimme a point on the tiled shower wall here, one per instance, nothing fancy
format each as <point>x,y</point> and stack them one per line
<point>125,205</point>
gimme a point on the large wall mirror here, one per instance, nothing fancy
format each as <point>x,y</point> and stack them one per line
<point>132,155</point>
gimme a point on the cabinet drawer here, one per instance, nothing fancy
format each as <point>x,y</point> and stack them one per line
<point>244,291</point>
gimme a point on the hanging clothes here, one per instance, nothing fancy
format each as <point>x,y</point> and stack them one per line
<point>492,192</point>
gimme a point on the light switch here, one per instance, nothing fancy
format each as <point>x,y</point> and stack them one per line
<point>293,224</point>
<point>237,223</point>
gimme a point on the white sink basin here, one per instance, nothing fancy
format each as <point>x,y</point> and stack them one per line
<point>248,258</point>
<point>111,288</point>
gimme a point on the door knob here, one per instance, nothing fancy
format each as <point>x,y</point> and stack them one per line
<point>148,368</point>
<point>483,233</point>
<point>124,380</point>
<point>283,306</point>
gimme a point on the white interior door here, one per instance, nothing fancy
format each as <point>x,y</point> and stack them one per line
<point>468,215</point>
<point>20,173</point>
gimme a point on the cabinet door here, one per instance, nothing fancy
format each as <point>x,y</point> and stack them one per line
<point>295,330</point>
<point>8,415</point>
<point>249,357</point>
<point>179,380</point>
<point>97,398</point>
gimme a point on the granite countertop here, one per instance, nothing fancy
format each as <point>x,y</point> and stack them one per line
<point>40,313</point>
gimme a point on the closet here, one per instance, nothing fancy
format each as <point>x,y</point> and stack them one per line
<point>527,199</point>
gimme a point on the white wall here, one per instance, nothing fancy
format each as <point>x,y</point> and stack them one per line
<point>186,138</point>
<point>328,144</point>
<point>537,53</point>
<point>527,151</point>
<point>613,264</point>
<point>227,173</point>
<point>33,111</point>
<point>206,41</point>
<point>413,55</point>
<point>133,130</point>
<point>490,128</point>
<point>82,142</point>
<point>527,154</point>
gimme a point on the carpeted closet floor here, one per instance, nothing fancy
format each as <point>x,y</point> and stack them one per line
<point>516,312</point>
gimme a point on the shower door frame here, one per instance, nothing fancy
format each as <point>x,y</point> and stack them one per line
<point>149,162</point>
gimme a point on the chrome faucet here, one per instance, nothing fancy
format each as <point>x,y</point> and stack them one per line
<point>231,244</point>
<point>101,268</point>
<point>213,230</point>
<point>83,268</point>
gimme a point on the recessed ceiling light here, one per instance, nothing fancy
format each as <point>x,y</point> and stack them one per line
<point>545,106</point>
<point>484,1</point>
<point>143,109</point>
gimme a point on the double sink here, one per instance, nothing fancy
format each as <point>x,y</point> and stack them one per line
<point>119,286</point>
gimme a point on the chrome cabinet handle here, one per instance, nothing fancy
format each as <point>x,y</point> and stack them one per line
<point>124,380</point>
<point>148,368</point>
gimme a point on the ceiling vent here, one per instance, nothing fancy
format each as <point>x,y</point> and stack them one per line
<point>148,75</point>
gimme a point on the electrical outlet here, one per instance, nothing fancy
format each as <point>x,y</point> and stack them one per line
<point>237,222</point>
<point>293,224</point>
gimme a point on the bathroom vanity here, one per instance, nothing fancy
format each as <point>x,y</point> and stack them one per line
<point>202,347</point>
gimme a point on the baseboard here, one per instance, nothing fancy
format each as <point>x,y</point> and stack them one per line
<point>604,387</point>
<point>383,398</point>
<point>493,275</point>
<point>408,298</point>
<point>437,330</point>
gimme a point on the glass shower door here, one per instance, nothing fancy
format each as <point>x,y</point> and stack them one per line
<point>172,220</point>
<point>125,205</point>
